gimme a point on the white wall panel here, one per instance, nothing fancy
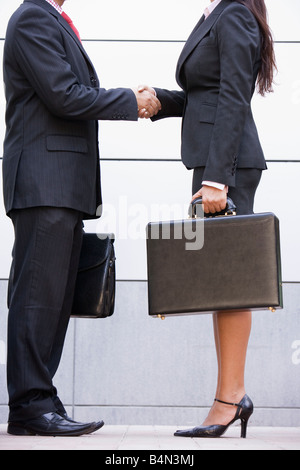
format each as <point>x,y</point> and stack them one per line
<point>102,19</point>
<point>98,19</point>
<point>277,114</point>
<point>166,20</point>
<point>133,192</point>
<point>127,64</point>
<point>279,193</point>
<point>284,17</point>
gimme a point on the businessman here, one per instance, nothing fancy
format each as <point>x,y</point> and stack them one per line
<point>51,182</point>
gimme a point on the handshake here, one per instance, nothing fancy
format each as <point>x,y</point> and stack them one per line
<point>148,104</point>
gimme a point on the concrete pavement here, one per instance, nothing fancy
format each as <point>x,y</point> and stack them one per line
<point>156,438</point>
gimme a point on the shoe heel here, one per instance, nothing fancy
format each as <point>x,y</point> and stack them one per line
<point>244,425</point>
<point>16,430</point>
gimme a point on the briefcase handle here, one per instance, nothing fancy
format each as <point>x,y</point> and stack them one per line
<point>230,209</point>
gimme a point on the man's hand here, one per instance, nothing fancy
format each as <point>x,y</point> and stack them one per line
<point>148,104</point>
<point>213,200</point>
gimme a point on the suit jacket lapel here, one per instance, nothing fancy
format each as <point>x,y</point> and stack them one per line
<point>201,29</point>
<point>64,24</point>
<point>68,28</point>
<point>187,47</point>
<point>70,31</point>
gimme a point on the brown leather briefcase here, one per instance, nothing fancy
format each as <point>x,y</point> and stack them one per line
<point>202,265</point>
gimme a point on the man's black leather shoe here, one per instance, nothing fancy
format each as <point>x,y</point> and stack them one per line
<point>50,424</point>
<point>98,425</point>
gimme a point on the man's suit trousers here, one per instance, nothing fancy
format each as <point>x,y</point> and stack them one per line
<point>41,288</point>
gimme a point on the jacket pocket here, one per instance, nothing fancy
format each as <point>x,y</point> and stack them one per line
<point>207,113</point>
<point>65,143</point>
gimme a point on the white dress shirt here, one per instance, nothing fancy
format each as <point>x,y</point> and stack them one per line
<point>211,7</point>
<point>55,5</point>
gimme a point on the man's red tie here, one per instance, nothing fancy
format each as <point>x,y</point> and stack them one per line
<point>68,19</point>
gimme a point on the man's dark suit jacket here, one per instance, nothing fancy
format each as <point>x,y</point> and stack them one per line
<point>217,71</point>
<point>54,100</point>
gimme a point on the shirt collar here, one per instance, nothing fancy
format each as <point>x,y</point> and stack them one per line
<point>55,5</point>
<point>211,7</point>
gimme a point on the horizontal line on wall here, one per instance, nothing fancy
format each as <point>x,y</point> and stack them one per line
<point>140,159</point>
<point>145,280</point>
<point>283,161</point>
<point>171,41</point>
<point>262,407</point>
<point>174,160</point>
<point>170,160</point>
<point>164,41</point>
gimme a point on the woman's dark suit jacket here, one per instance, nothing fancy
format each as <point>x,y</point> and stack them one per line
<point>217,71</point>
<point>54,100</point>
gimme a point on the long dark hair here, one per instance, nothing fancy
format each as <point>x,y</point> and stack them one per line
<point>268,65</point>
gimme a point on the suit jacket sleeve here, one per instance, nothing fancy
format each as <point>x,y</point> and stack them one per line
<point>172,103</point>
<point>239,49</point>
<point>38,47</point>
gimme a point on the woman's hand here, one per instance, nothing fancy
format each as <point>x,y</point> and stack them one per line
<point>143,114</point>
<point>148,104</point>
<point>213,199</point>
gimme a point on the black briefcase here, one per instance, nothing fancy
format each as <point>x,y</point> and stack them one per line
<point>95,284</point>
<point>233,263</point>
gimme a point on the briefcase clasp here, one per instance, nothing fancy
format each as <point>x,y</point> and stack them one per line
<point>162,317</point>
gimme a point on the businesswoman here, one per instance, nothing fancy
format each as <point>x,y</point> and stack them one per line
<point>228,54</point>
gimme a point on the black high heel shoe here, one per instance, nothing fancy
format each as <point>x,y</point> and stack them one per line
<point>243,412</point>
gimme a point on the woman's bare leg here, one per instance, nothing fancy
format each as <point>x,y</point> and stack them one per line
<point>232,331</point>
